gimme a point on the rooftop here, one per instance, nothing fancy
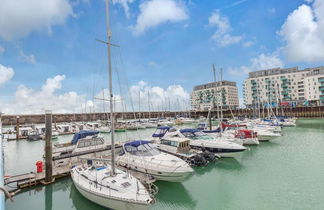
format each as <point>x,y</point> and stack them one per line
<point>277,71</point>
<point>215,84</point>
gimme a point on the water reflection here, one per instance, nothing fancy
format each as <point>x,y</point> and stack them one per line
<point>174,195</point>
<point>317,124</point>
<point>201,170</point>
<point>49,197</point>
<point>231,164</point>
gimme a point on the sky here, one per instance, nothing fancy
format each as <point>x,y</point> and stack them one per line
<point>50,59</point>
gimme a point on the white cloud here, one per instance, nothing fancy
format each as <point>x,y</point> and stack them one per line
<point>160,99</point>
<point>30,101</point>
<point>237,3</point>
<point>6,73</point>
<point>156,12</point>
<point>2,50</point>
<point>18,18</point>
<point>144,95</point>
<point>124,4</point>
<point>303,33</point>
<point>309,1</point>
<point>248,43</point>
<point>222,35</point>
<point>27,58</point>
<point>152,64</point>
<point>263,61</point>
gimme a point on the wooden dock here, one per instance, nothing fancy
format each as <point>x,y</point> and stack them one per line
<point>27,180</point>
<point>32,179</point>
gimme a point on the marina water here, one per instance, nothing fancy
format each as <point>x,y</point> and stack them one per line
<point>286,173</point>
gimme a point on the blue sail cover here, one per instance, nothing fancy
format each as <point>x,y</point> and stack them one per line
<point>189,130</point>
<point>83,134</point>
<point>136,143</point>
<point>160,131</point>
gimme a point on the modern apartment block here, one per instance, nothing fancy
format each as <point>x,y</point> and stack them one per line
<point>285,85</point>
<point>223,93</point>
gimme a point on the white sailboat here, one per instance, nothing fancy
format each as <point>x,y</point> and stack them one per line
<point>104,184</point>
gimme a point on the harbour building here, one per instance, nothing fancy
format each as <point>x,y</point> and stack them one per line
<point>285,86</point>
<point>222,93</point>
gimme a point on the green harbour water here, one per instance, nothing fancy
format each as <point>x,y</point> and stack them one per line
<point>286,173</point>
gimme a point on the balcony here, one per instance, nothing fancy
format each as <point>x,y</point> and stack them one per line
<point>321,79</point>
<point>284,79</point>
<point>321,88</point>
<point>284,86</point>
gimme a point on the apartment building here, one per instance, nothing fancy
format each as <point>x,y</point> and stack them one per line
<point>223,93</point>
<point>285,85</point>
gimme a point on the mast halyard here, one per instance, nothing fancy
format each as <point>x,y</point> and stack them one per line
<point>110,91</point>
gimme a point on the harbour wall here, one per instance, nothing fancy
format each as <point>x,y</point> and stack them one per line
<point>300,112</point>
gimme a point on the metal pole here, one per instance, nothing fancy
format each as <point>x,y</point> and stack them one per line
<point>110,92</point>
<point>48,146</point>
<point>17,127</point>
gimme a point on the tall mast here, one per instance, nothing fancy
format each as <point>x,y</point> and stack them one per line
<point>215,93</point>
<point>148,102</point>
<point>110,91</point>
<point>221,105</point>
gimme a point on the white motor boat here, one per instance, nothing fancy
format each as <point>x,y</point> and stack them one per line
<point>143,157</point>
<point>265,135</point>
<point>115,191</point>
<point>201,141</point>
<point>84,144</point>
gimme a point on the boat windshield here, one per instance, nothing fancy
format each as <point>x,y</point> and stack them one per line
<point>142,150</point>
<point>196,135</point>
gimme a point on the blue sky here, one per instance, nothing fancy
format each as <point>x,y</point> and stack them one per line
<point>169,45</point>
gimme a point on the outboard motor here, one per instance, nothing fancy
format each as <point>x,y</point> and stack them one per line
<point>198,160</point>
<point>209,156</point>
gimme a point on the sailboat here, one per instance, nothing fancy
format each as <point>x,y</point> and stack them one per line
<point>102,183</point>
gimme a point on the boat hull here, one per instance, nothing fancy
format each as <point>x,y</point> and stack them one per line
<point>110,202</point>
<point>251,141</point>
<point>266,137</point>
<point>158,175</point>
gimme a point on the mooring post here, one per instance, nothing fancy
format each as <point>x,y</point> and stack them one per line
<point>48,146</point>
<point>17,127</point>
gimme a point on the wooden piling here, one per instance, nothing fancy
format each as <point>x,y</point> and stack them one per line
<point>48,147</point>
<point>17,127</point>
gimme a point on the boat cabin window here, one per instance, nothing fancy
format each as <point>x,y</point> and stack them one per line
<point>170,143</point>
<point>142,150</point>
<point>90,142</point>
<point>188,134</point>
<point>184,144</point>
<point>160,131</point>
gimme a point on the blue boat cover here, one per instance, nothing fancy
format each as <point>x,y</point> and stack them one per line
<point>160,134</point>
<point>83,134</point>
<point>189,130</point>
<point>136,143</point>
<point>164,127</point>
<point>212,131</point>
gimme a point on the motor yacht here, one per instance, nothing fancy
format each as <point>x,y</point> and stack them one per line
<point>144,157</point>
